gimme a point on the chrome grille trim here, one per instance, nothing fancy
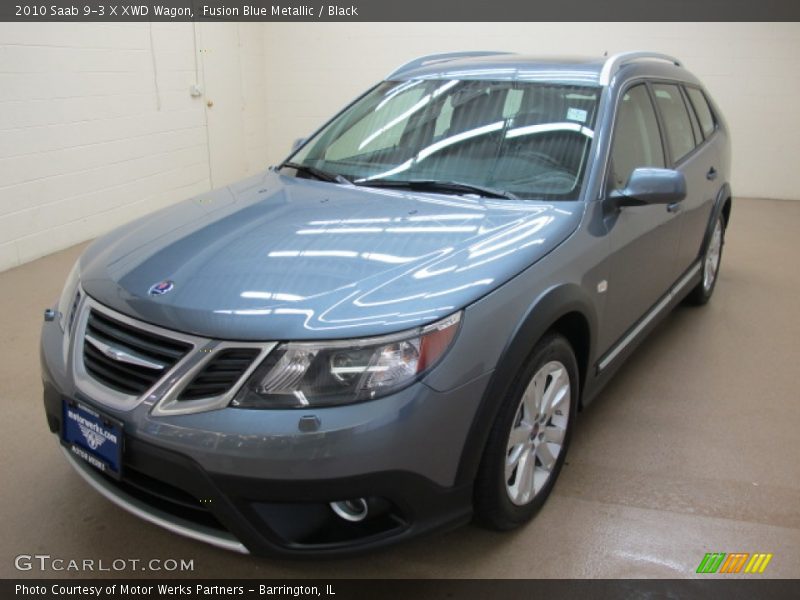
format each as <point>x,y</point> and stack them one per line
<point>169,403</point>
<point>73,311</point>
<point>221,372</point>
<point>122,355</point>
<point>163,395</point>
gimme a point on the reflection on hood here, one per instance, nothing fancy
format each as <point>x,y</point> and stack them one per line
<point>276,257</point>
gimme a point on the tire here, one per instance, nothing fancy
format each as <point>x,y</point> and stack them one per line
<point>712,258</point>
<point>507,497</point>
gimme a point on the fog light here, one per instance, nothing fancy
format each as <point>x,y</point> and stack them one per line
<point>354,510</point>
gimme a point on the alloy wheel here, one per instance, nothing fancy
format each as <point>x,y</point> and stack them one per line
<point>711,265</point>
<point>537,434</point>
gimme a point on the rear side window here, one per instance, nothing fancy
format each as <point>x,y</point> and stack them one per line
<point>698,136</point>
<point>704,115</point>
<point>637,141</point>
<point>676,119</point>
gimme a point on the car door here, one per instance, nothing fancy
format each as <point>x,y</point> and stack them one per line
<point>643,240</point>
<point>697,160</point>
<point>711,160</point>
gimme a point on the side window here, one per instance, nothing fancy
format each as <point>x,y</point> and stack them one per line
<point>704,115</point>
<point>698,136</point>
<point>513,102</point>
<point>444,118</point>
<point>637,142</point>
<point>676,119</point>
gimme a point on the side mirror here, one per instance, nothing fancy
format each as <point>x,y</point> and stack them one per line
<point>651,186</point>
<point>297,143</point>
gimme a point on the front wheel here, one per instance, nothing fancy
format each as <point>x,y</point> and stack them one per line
<point>711,260</point>
<point>529,439</point>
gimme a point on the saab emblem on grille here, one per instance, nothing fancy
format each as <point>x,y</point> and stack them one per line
<point>161,288</point>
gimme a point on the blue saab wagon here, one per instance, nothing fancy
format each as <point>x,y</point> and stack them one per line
<point>392,331</point>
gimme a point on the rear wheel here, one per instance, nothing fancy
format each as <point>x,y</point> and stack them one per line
<point>711,261</point>
<point>529,439</point>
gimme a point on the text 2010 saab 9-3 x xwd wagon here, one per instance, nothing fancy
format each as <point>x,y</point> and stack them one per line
<point>392,331</point>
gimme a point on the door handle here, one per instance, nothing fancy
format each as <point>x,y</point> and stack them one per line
<point>674,207</point>
<point>712,174</point>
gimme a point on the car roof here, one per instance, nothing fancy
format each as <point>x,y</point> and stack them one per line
<point>506,66</point>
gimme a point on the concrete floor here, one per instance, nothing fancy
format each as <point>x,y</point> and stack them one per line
<point>693,448</point>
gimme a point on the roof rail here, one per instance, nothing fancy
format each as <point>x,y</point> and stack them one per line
<point>613,63</point>
<point>432,58</point>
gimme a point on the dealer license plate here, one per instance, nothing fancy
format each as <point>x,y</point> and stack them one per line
<point>93,437</point>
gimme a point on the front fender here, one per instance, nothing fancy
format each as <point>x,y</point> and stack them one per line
<point>719,203</point>
<point>544,313</point>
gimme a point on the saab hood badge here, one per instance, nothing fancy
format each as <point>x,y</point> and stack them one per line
<point>161,288</point>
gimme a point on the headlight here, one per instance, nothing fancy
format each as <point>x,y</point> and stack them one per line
<point>297,375</point>
<point>67,299</point>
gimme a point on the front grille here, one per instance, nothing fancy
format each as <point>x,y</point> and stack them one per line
<point>220,373</point>
<point>142,358</point>
<point>73,311</point>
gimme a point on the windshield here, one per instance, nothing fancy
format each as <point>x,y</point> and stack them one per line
<point>512,138</point>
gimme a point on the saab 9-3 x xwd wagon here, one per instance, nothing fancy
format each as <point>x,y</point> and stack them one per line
<point>391,332</point>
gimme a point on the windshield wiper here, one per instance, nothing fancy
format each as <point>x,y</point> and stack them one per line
<point>315,172</point>
<point>433,185</point>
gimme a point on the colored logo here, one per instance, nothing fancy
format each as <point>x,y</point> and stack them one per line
<point>161,288</point>
<point>736,562</point>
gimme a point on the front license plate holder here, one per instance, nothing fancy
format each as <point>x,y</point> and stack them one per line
<point>92,436</point>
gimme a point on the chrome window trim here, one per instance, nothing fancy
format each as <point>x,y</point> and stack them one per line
<point>162,397</point>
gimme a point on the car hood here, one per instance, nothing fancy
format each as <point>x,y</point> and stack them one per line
<point>277,257</point>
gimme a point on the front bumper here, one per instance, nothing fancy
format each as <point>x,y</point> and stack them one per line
<point>252,481</point>
<point>268,517</point>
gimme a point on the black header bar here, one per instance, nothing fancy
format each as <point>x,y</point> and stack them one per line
<point>397,10</point>
<point>734,588</point>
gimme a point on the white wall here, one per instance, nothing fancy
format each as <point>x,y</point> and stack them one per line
<point>233,78</point>
<point>85,141</point>
<point>751,69</point>
<point>97,125</point>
